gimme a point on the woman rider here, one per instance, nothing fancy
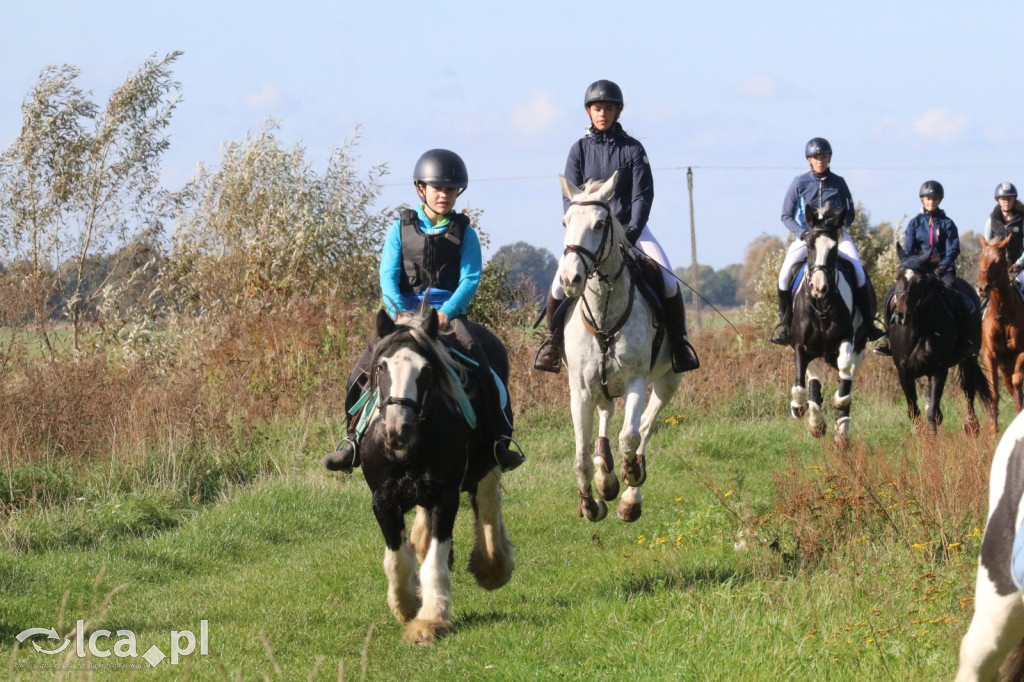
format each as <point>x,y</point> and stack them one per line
<point>604,149</point>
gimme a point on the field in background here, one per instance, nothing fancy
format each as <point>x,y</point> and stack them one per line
<point>852,564</point>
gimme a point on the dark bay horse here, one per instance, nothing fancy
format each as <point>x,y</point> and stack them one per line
<point>421,450</point>
<point>1002,327</point>
<point>826,324</point>
<point>927,336</point>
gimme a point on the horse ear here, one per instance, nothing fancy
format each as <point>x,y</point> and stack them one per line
<point>385,325</point>
<point>430,324</point>
<point>983,241</point>
<point>900,253</point>
<point>608,188</point>
<point>568,191</point>
<point>1003,243</point>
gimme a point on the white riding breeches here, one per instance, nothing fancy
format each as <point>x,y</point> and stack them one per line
<point>649,246</point>
<point>798,251</point>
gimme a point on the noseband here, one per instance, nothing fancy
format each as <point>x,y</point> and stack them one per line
<point>417,406</point>
<point>602,252</point>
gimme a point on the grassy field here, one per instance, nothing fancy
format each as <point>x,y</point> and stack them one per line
<point>843,577</point>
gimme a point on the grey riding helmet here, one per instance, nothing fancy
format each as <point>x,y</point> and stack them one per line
<point>441,168</point>
<point>931,188</point>
<point>603,91</point>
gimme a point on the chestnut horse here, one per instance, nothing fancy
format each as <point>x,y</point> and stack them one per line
<point>1002,327</point>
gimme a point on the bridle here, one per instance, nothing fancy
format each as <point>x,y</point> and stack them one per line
<point>823,306</point>
<point>910,312</point>
<point>604,249</point>
<point>417,406</point>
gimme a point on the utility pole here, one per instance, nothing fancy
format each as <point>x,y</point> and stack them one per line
<point>695,307</point>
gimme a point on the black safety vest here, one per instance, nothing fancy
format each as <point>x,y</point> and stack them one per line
<point>1000,229</point>
<point>431,260</point>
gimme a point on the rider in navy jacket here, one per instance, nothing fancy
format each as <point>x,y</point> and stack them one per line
<point>814,189</point>
<point>937,231</point>
<point>605,149</point>
<point>932,230</point>
<point>599,154</point>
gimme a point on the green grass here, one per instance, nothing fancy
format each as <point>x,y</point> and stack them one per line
<point>296,555</point>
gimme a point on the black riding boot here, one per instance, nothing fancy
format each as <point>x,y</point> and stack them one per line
<point>780,335</point>
<point>882,347</point>
<point>684,358</point>
<point>495,424</point>
<point>549,355</point>
<point>346,456</point>
<point>864,298</point>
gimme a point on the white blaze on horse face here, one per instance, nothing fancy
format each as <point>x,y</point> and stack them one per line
<point>404,369</point>
<point>581,230</point>
<point>823,245</point>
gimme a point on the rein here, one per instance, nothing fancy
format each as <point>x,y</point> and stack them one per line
<point>604,336</point>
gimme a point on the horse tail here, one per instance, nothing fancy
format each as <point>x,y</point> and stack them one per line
<point>973,380</point>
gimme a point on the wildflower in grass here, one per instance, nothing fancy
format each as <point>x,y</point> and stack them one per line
<point>659,541</point>
<point>640,540</point>
<point>976,533</point>
<point>728,494</point>
<point>674,420</point>
<point>679,541</point>
<point>863,538</point>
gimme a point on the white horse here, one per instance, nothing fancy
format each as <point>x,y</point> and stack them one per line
<point>608,341</point>
<point>997,628</point>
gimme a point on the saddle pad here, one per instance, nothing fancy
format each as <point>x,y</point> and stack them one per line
<point>843,266</point>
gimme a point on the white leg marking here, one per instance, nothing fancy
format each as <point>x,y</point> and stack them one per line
<point>403,586</point>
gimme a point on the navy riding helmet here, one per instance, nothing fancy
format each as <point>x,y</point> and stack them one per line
<point>1006,189</point>
<point>817,145</point>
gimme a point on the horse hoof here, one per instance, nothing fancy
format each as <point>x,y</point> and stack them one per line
<point>426,632</point>
<point>634,472</point>
<point>817,430</point>
<point>592,510</point>
<point>798,412</point>
<point>628,512</point>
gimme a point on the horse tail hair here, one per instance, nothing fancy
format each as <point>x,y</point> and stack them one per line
<point>1013,667</point>
<point>972,379</point>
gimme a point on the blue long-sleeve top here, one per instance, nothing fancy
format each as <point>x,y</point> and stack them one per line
<point>596,156</point>
<point>807,191</point>
<point>937,231</point>
<point>451,303</point>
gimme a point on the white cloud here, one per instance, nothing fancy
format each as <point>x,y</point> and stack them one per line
<point>758,87</point>
<point>538,115</point>
<point>264,98</point>
<point>940,124</point>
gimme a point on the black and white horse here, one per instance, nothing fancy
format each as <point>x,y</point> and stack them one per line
<point>826,324</point>
<point>997,628</point>
<point>421,450</point>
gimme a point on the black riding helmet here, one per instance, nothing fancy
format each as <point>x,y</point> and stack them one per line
<point>1006,189</point>
<point>817,145</point>
<point>931,188</point>
<point>603,91</point>
<point>441,168</point>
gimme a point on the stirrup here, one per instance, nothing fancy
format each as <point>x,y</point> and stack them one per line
<point>687,361</point>
<point>882,348</point>
<point>510,463</point>
<point>780,335</point>
<point>555,364</point>
<point>340,460</point>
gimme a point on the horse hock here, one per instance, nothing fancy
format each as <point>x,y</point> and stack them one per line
<point>604,470</point>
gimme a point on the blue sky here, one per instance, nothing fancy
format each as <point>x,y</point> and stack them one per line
<point>905,92</point>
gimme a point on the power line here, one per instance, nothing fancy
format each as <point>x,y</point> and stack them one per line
<point>521,178</point>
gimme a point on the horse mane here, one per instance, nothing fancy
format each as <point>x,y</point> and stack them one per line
<point>450,374</point>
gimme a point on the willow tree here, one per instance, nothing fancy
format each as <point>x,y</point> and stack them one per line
<point>80,182</point>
